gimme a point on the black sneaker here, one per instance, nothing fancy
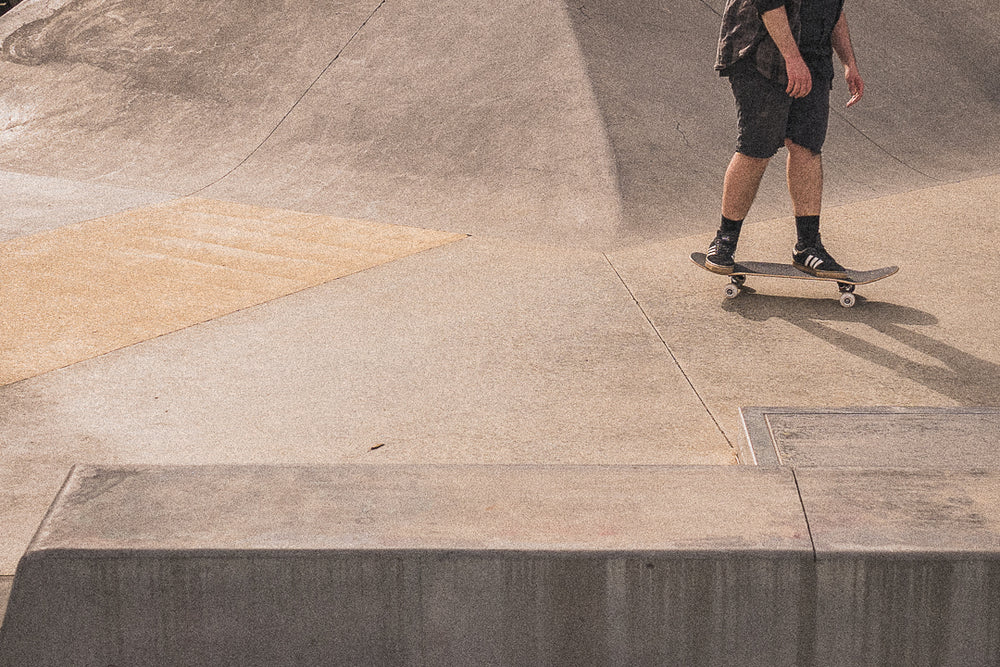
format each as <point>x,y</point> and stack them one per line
<point>719,258</point>
<point>816,261</point>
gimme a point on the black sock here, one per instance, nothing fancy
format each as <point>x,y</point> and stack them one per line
<point>807,227</point>
<point>730,228</point>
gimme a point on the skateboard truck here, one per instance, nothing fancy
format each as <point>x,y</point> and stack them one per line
<point>847,298</point>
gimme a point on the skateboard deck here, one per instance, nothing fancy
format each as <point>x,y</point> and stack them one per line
<point>743,270</point>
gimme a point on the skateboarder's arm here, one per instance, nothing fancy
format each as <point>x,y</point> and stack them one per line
<point>845,51</point>
<point>799,78</point>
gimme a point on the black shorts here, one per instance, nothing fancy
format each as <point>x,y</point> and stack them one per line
<point>766,115</point>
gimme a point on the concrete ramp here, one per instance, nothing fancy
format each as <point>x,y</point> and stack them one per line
<point>586,125</point>
<point>930,113</point>
<point>165,98</point>
<point>432,114</point>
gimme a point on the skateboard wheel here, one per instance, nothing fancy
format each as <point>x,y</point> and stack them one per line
<point>847,299</point>
<point>732,291</point>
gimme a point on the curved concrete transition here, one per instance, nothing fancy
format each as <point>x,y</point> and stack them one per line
<point>541,171</point>
<point>570,123</point>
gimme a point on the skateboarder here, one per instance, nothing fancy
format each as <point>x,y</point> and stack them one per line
<point>778,55</point>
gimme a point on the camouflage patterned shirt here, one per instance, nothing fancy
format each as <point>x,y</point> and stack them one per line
<point>744,38</point>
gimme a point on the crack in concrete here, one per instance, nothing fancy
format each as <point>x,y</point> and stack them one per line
<point>711,8</point>
<point>684,138</point>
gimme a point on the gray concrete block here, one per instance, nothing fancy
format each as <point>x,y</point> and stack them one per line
<point>416,565</point>
<point>908,565</point>
<point>447,564</point>
<point>894,437</point>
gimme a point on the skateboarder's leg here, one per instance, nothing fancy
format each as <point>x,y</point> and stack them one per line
<point>762,114</point>
<point>762,109</point>
<point>804,171</point>
<point>807,124</point>
<point>805,185</point>
<point>739,189</point>
<point>741,184</point>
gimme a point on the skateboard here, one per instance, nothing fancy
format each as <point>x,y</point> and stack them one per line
<point>743,270</point>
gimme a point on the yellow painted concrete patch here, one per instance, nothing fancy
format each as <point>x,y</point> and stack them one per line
<point>89,288</point>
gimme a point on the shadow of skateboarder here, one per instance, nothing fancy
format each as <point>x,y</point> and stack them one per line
<point>960,376</point>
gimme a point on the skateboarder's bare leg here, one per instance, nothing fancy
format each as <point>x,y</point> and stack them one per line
<point>805,185</point>
<point>805,179</point>
<point>740,187</point>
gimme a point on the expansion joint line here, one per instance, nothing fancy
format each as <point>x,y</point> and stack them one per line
<point>297,102</point>
<point>882,148</point>
<point>805,515</point>
<point>673,356</point>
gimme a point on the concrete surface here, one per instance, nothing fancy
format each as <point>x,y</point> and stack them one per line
<point>907,565</point>
<point>582,145</point>
<point>479,508</point>
<point>434,564</point>
<point>881,437</point>
<point>900,512</point>
<point>476,352</point>
<point>65,202</point>
<point>122,279</point>
<point>415,565</point>
<point>917,338</point>
<point>604,121</point>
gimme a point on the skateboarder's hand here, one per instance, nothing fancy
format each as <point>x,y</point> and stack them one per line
<point>855,84</point>
<point>799,78</point>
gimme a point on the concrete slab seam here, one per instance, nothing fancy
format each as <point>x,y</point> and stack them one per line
<point>671,353</point>
<point>712,9</point>
<point>295,104</point>
<point>805,514</point>
<point>883,149</point>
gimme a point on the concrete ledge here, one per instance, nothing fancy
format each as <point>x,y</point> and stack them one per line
<point>908,565</point>
<point>512,565</point>
<point>416,565</point>
<point>893,437</point>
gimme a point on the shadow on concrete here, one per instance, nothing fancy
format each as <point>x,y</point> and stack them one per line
<point>930,112</point>
<point>963,377</point>
<point>669,118</point>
